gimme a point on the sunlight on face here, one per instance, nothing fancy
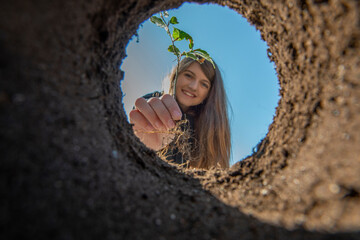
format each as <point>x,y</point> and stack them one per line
<point>192,86</point>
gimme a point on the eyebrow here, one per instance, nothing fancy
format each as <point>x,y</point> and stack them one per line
<point>205,79</point>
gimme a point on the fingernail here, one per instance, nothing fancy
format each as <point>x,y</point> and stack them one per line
<point>177,114</point>
<point>171,123</point>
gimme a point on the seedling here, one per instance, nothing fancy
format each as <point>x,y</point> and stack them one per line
<point>175,35</point>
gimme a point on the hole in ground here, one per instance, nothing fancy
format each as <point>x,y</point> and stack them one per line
<point>250,80</point>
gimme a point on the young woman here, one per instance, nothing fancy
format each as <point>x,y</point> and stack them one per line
<point>200,98</point>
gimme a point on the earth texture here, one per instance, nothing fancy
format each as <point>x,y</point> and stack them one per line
<point>71,167</point>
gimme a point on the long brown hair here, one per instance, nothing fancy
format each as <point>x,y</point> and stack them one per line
<point>212,129</point>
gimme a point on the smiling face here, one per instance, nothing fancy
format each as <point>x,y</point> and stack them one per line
<point>192,87</point>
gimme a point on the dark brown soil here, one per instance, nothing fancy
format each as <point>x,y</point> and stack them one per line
<point>71,167</point>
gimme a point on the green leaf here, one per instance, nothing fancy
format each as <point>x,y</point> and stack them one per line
<point>166,14</point>
<point>174,20</point>
<point>158,21</point>
<point>191,44</point>
<point>179,35</point>
<point>190,55</point>
<point>176,34</point>
<point>201,55</point>
<point>174,50</point>
<point>202,52</point>
<point>185,35</point>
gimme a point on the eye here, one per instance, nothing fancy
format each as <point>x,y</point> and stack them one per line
<point>204,84</point>
<point>188,75</point>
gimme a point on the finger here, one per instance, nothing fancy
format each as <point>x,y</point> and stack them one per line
<point>172,106</point>
<point>148,112</point>
<point>139,121</point>
<point>162,112</point>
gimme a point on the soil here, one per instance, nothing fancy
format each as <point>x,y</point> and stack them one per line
<point>71,168</point>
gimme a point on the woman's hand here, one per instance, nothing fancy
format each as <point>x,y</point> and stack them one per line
<point>153,119</point>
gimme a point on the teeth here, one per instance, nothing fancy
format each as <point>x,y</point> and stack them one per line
<point>189,94</point>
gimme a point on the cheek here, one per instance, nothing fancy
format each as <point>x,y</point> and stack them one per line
<point>180,84</point>
<point>204,95</point>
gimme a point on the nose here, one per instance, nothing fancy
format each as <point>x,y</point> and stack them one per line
<point>194,84</point>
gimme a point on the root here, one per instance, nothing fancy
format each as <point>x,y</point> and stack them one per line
<point>182,143</point>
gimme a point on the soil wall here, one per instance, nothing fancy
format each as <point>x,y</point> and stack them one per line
<point>71,167</point>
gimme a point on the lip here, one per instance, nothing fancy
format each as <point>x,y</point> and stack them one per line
<point>185,92</point>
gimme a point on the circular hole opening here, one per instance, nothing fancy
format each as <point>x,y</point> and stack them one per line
<point>249,77</point>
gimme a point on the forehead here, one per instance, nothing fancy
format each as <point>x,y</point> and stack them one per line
<point>195,68</point>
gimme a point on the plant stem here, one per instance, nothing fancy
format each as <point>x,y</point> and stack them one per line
<point>177,56</point>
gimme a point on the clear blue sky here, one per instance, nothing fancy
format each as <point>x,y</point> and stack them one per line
<point>250,79</point>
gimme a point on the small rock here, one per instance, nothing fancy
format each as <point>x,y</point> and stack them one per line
<point>264,192</point>
<point>334,188</point>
